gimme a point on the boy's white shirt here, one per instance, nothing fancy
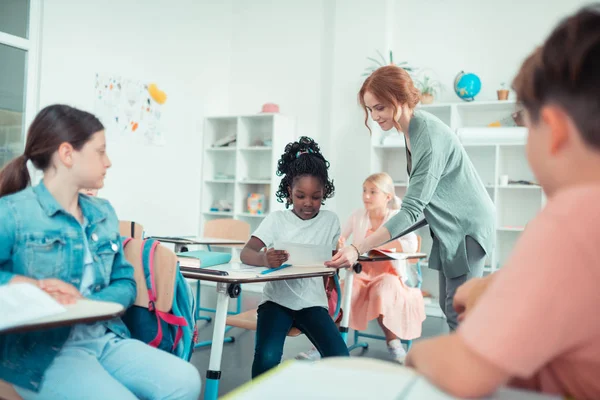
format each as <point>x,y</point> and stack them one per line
<point>286,226</point>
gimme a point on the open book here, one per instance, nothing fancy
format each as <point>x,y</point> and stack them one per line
<point>24,302</point>
<point>386,255</point>
<point>390,254</point>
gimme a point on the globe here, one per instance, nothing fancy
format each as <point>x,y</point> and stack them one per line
<point>467,85</point>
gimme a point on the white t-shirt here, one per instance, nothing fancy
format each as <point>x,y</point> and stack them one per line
<point>297,294</point>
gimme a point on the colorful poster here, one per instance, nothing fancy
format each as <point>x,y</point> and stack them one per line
<point>130,107</point>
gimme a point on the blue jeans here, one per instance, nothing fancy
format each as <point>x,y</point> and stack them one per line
<point>274,323</point>
<point>110,367</point>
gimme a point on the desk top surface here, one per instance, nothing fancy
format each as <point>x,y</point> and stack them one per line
<point>363,378</point>
<point>241,273</point>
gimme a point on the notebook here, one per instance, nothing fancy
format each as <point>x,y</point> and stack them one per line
<point>24,302</point>
<point>207,258</point>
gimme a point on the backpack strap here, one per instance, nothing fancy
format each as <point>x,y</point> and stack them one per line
<point>148,251</point>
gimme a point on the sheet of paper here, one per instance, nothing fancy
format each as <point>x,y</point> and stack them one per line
<point>22,302</point>
<point>241,267</point>
<point>305,254</point>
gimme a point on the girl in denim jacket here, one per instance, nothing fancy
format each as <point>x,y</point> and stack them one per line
<point>68,244</point>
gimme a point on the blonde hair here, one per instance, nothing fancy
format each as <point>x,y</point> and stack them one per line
<point>385,183</point>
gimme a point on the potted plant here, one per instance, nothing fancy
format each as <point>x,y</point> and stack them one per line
<point>377,63</point>
<point>429,89</point>
<point>502,92</point>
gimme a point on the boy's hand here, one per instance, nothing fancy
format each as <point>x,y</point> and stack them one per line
<point>468,294</point>
<point>274,258</point>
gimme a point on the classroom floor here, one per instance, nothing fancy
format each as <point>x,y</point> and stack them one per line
<point>237,357</point>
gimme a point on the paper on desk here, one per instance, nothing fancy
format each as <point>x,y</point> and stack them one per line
<point>237,268</point>
<point>23,302</point>
<point>305,255</point>
<point>241,267</point>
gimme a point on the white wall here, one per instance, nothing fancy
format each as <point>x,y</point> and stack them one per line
<point>487,37</point>
<point>277,51</point>
<point>232,56</point>
<point>183,48</point>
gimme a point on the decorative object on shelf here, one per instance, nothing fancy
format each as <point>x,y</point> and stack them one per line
<point>502,92</point>
<point>518,118</point>
<point>383,62</point>
<point>515,119</point>
<point>227,141</point>
<point>429,88</point>
<point>221,205</point>
<point>221,175</point>
<point>503,180</point>
<point>523,182</point>
<point>270,108</point>
<point>262,142</point>
<point>256,203</point>
<point>467,86</point>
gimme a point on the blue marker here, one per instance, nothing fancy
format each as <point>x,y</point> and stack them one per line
<point>268,271</point>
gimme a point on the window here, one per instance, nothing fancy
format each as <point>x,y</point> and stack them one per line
<point>19,31</point>
<point>12,102</point>
<point>14,17</point>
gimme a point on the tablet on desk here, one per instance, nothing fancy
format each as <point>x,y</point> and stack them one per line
<point>204,271</point>
<point>177,239</point>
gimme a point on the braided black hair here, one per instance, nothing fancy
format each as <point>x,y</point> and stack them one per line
<point>299,159</point>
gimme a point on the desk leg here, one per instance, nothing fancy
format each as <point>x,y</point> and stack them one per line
<point>213,375</point>
<point>346,304</point>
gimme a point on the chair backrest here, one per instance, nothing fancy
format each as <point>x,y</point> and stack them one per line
<point>419,240</point>
<point>227,228</point>
<point>8,392</point>
<point>165,273</point>
<point>131,229</point>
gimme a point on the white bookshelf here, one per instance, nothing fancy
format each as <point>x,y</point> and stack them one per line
<point>494,151</point>
<point>246,166</point>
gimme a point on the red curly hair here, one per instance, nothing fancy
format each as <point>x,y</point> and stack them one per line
<point>393,86</point>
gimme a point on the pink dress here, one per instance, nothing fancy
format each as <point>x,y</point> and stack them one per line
<point>380,288</point>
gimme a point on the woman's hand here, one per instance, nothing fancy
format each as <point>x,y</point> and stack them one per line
<point>341,243</point>
<point>61,291</point>
<point>274,258</point>
<point>344,258</point>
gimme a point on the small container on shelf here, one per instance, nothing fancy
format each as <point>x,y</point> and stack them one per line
<point>221,205</point>
<point>255,203</point>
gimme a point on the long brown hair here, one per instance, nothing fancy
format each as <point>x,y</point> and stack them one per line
<point>54,125</point>
<point>565,71</point>
<point>391,85</point>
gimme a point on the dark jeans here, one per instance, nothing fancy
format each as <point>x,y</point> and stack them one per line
<point>274,323</point>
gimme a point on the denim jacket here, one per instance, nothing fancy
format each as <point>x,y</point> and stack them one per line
<point>39,239</point>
